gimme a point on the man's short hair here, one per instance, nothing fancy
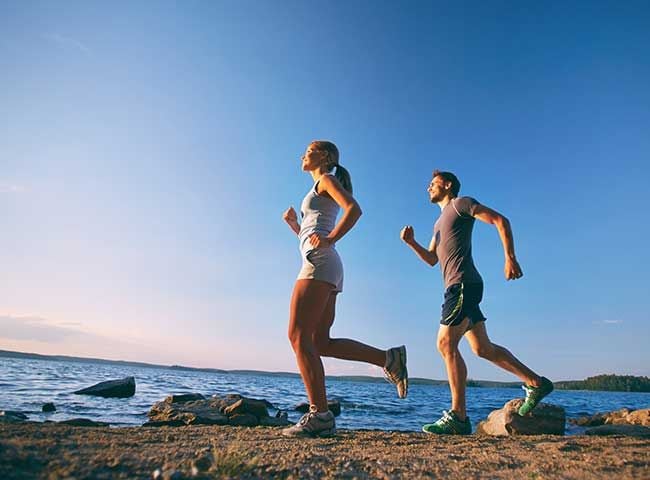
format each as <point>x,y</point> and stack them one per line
<point>449,177</point>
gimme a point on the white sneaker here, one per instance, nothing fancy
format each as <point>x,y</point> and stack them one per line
<point>313,424</point>
<point>395,370</point>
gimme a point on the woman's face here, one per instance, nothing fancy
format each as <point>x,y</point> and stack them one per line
<point>313,158</point>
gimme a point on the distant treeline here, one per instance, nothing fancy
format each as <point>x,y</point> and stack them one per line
<point>611,383</point>
<point>614,383</point>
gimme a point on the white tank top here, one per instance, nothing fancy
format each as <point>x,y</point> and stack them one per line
<point>318,216</point>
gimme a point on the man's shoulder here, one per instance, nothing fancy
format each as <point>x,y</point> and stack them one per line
<point>465,206</point>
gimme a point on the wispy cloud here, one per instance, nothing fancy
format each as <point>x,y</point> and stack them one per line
<point>608,322</point>
<point>41,335</point>
<point>67,42</point>
<point>70,324</point>
<point>11,188</point>
<point>39,329</point>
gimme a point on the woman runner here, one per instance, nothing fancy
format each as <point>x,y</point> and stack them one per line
<point>319,281</point>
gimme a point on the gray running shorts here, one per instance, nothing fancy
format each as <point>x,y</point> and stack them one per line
<point>323,264</point>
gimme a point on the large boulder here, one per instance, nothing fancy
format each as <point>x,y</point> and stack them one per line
<point>590,421</point>
<point>247,405</point>
<point>639,417</point>
<point>624,416</point>
<point>244,420</point>
<point>281,419</point>
<point>172,412</point>
<point>230,409</point>
<point>544,419</point>
<point>121,388</point>
<point>185,397</point>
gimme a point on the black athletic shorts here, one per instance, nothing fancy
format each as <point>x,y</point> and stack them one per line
<point>461,302</point>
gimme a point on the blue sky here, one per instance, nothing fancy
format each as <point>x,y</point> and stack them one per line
<point>148,150</point>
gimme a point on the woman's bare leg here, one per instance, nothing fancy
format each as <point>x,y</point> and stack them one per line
<point>343,348</point>
<point>308,302</point>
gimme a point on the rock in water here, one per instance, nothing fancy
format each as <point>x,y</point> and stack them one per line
<point>122,388</point>
<point>48,407</point>
<point>333,405</point>
<point>194,409</point>
<point>247,405</point>
<point>185,397</point>
<point>10,416</point>
<point>543,420</point>
<point>243,420</point>
<point>639,417</point>
<point>83,422</point>
<point>624,416</point>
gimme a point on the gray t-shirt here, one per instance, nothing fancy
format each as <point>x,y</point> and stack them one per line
<point>453,234</point>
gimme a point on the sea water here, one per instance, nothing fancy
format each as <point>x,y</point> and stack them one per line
<point>26,384</point>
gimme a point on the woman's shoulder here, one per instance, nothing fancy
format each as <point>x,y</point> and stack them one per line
<point>329,179</point>
<point>326,182</point>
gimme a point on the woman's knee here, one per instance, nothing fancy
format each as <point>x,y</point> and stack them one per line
<point>322,343</point>
<point>299,338</point>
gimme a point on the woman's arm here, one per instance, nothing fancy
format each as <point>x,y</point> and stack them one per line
<point>292,220</point>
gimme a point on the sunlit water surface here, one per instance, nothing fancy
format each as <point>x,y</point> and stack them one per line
<point>25,385</point>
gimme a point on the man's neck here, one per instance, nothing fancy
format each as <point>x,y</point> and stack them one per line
<point>443,203</point>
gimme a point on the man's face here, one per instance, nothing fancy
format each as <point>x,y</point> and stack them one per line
<point>438,189</point>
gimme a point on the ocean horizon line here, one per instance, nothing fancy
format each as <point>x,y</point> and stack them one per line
<point>357,378</point>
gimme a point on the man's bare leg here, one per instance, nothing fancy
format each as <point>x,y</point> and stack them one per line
<point>482,346</point>
<point>448,339</point>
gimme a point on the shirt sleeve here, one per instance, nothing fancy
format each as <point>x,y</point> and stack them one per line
<point>466,206</point>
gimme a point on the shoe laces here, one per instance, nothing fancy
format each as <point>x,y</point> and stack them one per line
<point>305,418</point>
<point>446,418</point>
<point>531,391</point>
<point>388,375</point>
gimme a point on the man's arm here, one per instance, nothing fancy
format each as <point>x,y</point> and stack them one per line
<point>428,256</point>
<point>512,270</point>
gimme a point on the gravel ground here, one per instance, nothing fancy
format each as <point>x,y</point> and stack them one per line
<point>51,451</point>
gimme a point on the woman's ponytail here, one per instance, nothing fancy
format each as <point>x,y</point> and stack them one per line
<point>343,176</point>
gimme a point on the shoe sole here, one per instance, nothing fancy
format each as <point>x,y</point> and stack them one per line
<point>446,433</point>
<point>405,382</point>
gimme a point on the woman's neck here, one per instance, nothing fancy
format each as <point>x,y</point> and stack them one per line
<point>317,173</point>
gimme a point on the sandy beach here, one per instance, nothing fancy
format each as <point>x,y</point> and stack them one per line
<point>51,451</point>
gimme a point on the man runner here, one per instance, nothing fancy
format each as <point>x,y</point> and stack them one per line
<point>451,245</point>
